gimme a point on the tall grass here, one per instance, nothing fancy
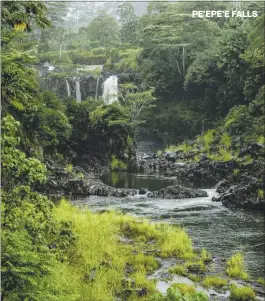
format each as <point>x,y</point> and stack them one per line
<point>214,281</point>
<point>235,267</point>
<point>94,266</point>
<point>242,294</point>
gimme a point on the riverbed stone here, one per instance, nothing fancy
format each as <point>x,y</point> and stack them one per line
<point>178,192</point>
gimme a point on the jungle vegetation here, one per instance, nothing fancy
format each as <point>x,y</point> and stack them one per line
<point>190,75</point>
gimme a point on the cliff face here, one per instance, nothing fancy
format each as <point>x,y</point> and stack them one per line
<point>70,81</point>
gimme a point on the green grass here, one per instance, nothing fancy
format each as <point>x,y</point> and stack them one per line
<point>185,147</point>
<point>242,294</point>
<point>170,240</point>
<point>223,155</point>
<point>184,288</point>
<point>93,267</point>
<point>96,262</point>
<point>235,267</point>
<point>143,262</point>
<point>214,281</point>
<point>199,264</point>
<point>261,280</point>
<point>207,139</point>
<point>194,277</point>
<point>205,255</point>
<point>178,269</point>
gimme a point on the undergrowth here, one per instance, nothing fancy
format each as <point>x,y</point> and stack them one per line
<point>98,266</point>
<point>117,164</point>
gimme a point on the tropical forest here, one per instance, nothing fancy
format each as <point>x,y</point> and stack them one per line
<point>132,151</point>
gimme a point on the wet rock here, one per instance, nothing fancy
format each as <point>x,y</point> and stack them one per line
<point>245,195</point>
<point>254,150</point>
<point>143,191</point>
<point>178,192</point>
<point>170,156</point>
<point>223,185</point>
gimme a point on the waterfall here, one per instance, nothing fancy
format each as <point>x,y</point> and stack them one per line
<point>68,88</point>
<point>110,89</point>
<point>77,91</point>
<point>96,97</point>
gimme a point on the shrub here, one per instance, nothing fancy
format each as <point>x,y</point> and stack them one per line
<point>236,172</point>
<point>242,294</point>
<point>214,281</point>
<point>117,164</point>
<point>69,168</point>
<point>261,194</point>
<point>235,267</point>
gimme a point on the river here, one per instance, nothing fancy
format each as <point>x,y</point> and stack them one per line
<point>220,230</point>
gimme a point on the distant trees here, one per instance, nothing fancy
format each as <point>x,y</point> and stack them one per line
<point>128,19</point>
<point>103,30</point>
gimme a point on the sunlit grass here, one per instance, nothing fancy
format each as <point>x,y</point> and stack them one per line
<point>178,269</point>
<point>235,267</point>
<point>185,288</point>
<point>143,262</point>
<point>261,280</point>
<point>205,255</point>
<point>242,294</point>
<point>96,262</point>
<point>214,281</point>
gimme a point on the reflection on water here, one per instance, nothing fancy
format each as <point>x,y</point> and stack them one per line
<point>210,225</point>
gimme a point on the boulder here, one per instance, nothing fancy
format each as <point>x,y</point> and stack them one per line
<point>177,192</point>
<point>244,195</point>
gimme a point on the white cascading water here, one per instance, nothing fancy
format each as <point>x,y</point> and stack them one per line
<point>68,88</point>
<point>110,90</point>
<point>77,91</point>
<point>97,86</point>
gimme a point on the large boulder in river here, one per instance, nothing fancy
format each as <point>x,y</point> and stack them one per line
<point>245,195</point>
<point>177,192</point>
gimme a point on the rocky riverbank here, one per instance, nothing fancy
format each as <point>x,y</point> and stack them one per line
<point>79,183</point>
<point>239,183</point>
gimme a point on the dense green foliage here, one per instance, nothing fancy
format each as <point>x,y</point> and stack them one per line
<point>186,77</point>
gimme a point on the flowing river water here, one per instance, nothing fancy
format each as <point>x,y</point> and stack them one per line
<point>210,225</point>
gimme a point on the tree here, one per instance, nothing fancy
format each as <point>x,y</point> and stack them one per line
<point>128,21</point>
<point>103,30</point>
<point>26,220</point>
<point>135,101</point>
